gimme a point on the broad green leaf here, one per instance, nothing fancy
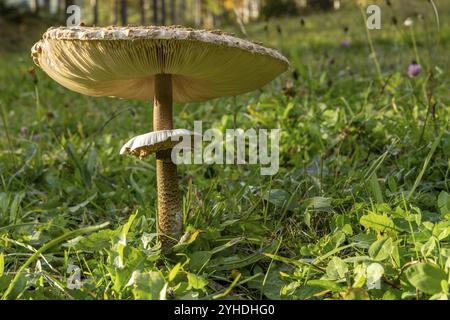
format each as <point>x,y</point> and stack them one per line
<point>381,249</point>
<point>396,255</point>
<point>270,285</point>
<point>122,275</point>
<point>392,184</point>
<point>5,280</point>
<point>121,243</point>
<point>391,294</point>
<point>95,241</point>
<point>428,247</point>
<point>91,164</point>
<point>336,269</point>
<point>444,286</point>
<point>375,188</point>
<point>348,230</point>
<point>4,204</point>
<point>19,288</point>
<point>15,207</point>
<point>302,292</point>
<point>335,241</point>
<point>441,230</point>
<point>199,259</point>
<point>190,236</point>
<point>279,198</point>
<point>173,273</point>
<point>377,222</point>
<point>290,288</point>
<point>319,204</point>
<point>356,294</point>
<point>426,277</point>
<point>439,296</point>
<point>357,259</point>
<point>196,281</point>
<point>363,240</point>
<point>444,202</point>
<point>444,233</point>
<point>148,285</point>
<point>325,284</point>
<point>359,275</point>
<point>447,265</point>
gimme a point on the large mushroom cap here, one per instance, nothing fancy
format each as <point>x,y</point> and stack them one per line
<point>122,61</point>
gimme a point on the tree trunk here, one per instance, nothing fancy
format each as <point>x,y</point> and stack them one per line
<point>197,13</point>
<point>115,12</point>
<point>35,6</point>
<point>94,5</point>
<point>58,8</point>
<point>337,4</point>
<point>67,3</point>
<point>163,12</point>
<point>123,12</point>
<point>142,11</point>
<point>155,12</point>
<point>182,11</point>
<point>173,16</point>
<point>47,6</point>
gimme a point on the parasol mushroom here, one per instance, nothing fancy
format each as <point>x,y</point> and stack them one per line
<point>165,64</point>
<point>146,144</point>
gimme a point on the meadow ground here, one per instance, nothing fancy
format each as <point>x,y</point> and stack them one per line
<point>360,208</point>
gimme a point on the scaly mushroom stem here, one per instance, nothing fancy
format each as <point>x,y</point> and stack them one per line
<point>170,218</point>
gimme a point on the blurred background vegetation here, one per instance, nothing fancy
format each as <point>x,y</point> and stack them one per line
<point>206,13</point>
<point>22,20</point>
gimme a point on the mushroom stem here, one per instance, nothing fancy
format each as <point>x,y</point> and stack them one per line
<point>170,218</point>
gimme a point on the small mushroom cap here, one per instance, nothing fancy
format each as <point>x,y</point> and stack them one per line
<point>122,61</point>
<point>146,144</point>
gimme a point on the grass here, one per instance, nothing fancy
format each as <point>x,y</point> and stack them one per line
<point>360,208</point>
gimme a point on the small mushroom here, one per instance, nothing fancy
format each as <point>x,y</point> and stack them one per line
<point>163,64</point>
<point>146,144</point>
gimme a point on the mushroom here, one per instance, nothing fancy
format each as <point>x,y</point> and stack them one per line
<point>165,64</point>
<point>146,144</point>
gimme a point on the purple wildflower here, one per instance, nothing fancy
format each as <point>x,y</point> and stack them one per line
<point>345,43</point>
<point>414,69</point>
<point>24,130</point>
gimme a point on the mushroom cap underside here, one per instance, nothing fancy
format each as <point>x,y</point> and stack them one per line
<point>122,61</point>
<point>144,145</point>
